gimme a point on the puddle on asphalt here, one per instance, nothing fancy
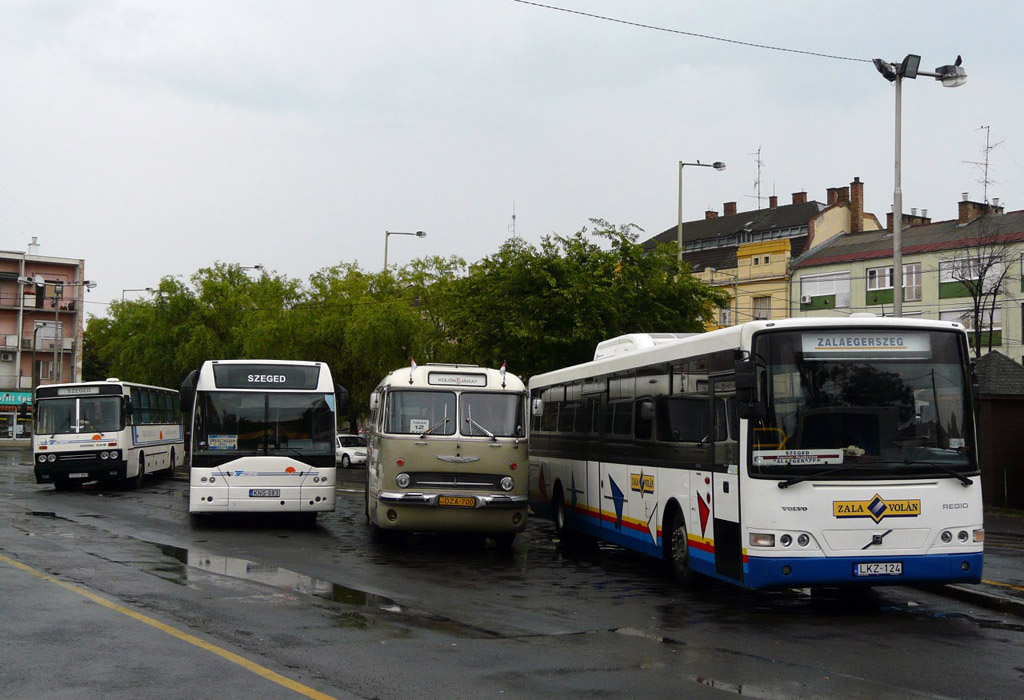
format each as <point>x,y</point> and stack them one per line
<point>277,577</point>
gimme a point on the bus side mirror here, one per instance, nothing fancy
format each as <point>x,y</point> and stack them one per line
<point>537,408</point>
<point>749,403</point>
<point>374,401</point>
<point>188,391</point>
<point>341,394</point>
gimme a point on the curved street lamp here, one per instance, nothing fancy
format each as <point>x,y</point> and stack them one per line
<point>717,165</point>
<point>387,234</point>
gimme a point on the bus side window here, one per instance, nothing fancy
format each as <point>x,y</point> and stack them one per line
<point>683,419</point>
<point>643,421</point>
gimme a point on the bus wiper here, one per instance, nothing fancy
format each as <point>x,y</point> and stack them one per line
<point>435,426</point>
<point>481,428</point>
<point>966,481</point>
<point>805,477</point>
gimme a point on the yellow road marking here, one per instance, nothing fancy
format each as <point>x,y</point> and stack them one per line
<point>1004,585</point>
<point>184,636</point>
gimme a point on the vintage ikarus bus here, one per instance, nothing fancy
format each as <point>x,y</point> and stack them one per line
<point>447,451</point>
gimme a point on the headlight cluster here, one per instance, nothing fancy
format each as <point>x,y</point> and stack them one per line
<point>962,536</point>
<point>47,458</point>
<point>765,539</point>
<point>113,454</point>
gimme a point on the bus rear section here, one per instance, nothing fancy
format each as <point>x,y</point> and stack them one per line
<point>105,431</point>
<point>263,435</point>
<point>447,452</point>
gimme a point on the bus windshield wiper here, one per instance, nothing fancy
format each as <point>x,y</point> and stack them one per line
<point>805,477</point>
<point>435,426</point>
<point>966,481</point>
<point>481,428</point>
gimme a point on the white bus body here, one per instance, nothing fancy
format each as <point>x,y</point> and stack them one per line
<point>105,431</point>
<point>447,451</point>
<point>262,437</point>
<point>799,452</point>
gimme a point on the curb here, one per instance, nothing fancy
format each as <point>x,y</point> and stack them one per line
<point>993,601</point>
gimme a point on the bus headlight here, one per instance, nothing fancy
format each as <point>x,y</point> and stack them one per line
<point>786,540</point>
<point>762,539</point>
<point>962,535</point>
<point>42,458</point>
<point>946,536</point>
<point>402,480</point>
<point>114,454</point>
<point>507,483</point>
<point>51,458</point>
<point>803,540</point>
<point>104,455</point>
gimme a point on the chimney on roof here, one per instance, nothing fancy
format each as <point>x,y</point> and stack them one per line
<point>799,198</point>
<point>842,195</point>
<point>856,206</point>
<point>969,211</point>
<point>710,214</point>
<point>33,246</point>
<point>830,196</point>
<point>773,201</point>
<point>729,208</point>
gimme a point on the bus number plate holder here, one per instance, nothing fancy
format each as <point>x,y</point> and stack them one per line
<point>457,501</point>
<point>264,493</point>
<point>879,568</point>
<point>78,475</point>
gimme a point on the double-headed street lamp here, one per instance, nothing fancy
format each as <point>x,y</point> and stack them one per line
<point>951,76</point>
<point>139,289</point>
<point>717,165</point>
<point>387,234</point>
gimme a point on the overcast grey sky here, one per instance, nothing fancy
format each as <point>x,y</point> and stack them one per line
<point>155,138</point>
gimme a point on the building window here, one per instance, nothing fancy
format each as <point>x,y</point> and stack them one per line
<point>967,318</point>
<point>881,278</point>
<point>762,308</point>
<point>766,260</point>
<point>725,317</point>
<point>757,260</point>
<point>833,285</point>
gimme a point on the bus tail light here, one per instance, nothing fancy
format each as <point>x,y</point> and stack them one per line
<point>762,539</point>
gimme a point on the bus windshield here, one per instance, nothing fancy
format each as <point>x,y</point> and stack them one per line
<point>254,423</point>
<point>491,415</point>
<point>78,415</point>
<point>862,403</point>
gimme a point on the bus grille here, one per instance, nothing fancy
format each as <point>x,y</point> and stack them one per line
<point>448,480</point>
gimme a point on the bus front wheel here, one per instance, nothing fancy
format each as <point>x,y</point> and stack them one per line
<point>677,550</point>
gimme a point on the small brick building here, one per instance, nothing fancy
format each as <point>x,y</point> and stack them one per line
<point>1000,422</point>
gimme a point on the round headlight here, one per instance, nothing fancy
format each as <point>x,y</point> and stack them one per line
<point>946,536</point>
<point>51,458</point>
<point>104,455</point>
<point>786,540</point>
<point>402,480</point>
<point>114,454</point>
<point>962,535</point>
<point>803,540</point>
<point>507,483</point>
<point>42,458</point>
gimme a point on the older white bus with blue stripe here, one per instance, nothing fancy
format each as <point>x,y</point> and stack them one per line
<point>793,453</point>
<point>263,434</point>
<point>105,431</point>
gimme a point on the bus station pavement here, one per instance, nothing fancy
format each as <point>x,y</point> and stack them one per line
<point>1002,584</point>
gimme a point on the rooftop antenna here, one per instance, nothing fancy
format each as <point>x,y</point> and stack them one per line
<point>757,181</point>
<point>512,226</point>
<point>989,147</point>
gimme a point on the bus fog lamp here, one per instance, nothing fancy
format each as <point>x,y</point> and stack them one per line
<point>786,540</point>
<point>507,483</point>
<point>946,536</point>
<point>803,540</point>
<point>760,539</point>
<point>517,518</point>
<point>787,570</point>
<point>965,566</point>
<point>392,515</point>
<point>402,480</point>
<point>962,536</point>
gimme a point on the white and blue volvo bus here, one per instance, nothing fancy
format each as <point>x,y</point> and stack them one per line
<point>791,453</point>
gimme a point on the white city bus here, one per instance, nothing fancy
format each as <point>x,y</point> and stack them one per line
<point>799,452</point>
<point>447,452</point>
<point>262,437</point>
<point>105,431</point>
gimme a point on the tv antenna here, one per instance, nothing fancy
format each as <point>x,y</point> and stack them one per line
<point>983,164</point>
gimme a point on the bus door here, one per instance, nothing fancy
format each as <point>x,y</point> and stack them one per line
<point>725,498</point>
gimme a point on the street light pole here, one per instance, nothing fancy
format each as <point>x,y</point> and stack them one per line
<point>387,234</point>
<point>717,165</point>
<point>951,76</point>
